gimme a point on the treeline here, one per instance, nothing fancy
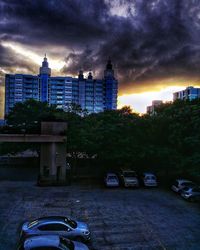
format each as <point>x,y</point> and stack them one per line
<point>167,142</point>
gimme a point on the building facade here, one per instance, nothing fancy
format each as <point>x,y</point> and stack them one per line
<point>2,122</point>
<point>190,93</point>
<point>94,95</point>
<point>151,110</point>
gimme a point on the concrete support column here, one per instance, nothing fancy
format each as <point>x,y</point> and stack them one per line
<point>53,166</point>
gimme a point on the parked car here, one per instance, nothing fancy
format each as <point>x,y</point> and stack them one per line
<point>191,193</point>
<point>180,184</point>
<point>111,180</point>
<point>49,242</point>
<point>59,225</point>
<point>149,180</point>
<point>129,178</point>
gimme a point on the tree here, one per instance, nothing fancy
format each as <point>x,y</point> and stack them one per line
<point>176,132</point>
<point>26,117</point>
<point>167,142</point>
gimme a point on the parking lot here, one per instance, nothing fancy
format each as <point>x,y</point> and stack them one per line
<point>119,219</point>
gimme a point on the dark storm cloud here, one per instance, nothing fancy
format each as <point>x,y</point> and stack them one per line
<point>56,22</point>
<point>10,59</point>
<point>147,40</point>
<point>157,39</point>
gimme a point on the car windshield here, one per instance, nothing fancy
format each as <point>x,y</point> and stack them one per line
<point>130,174</point>
<point>67,244</point>
<point>150,177</point>
<point>70,222</point>
<point>32,223</point>
<point>186,188</point>
<point>112,177</point>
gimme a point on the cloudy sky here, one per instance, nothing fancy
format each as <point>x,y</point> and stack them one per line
<point>154,44</point>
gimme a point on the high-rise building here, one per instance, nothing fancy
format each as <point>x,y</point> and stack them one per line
<point>190,93</point>
<point>111,87</point>
<point>94,95</point>
<point>151,110</point>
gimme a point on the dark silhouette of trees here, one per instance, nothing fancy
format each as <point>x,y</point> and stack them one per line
<point>167,142</point>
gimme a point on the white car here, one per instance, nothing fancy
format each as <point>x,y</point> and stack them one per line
<point>111,180</point>
<point>129,178</point>
<point>49,242</point>
<point>179,184</point>
<point>149,180</point>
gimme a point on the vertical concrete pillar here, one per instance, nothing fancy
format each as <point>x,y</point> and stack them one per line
<point>53,166</point>
<point>61,161</point>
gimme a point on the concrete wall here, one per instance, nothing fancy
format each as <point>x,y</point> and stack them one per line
<point>19,169</point>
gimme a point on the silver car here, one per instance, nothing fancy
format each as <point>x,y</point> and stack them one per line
<point>111,180</point>
<point>49,242</point>
<point>191,193</point>
<point>58,225</point>
<point>179,184</point>
<point>129,178</point>
<point>149,180</point>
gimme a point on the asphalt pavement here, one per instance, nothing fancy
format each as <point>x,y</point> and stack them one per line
<point>119,219</point>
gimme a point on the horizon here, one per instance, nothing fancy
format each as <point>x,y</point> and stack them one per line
<point>137,101</point>
<point>154,50</point>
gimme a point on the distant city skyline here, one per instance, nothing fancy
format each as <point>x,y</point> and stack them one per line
<point>154,44</point>
<point>92,94</point>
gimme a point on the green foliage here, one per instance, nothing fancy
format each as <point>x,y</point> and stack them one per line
<point>167,142</point>
<point>177,127</point>
<point>26,117</point>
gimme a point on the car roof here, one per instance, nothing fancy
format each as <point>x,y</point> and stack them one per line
<point>42,240</point>
<point>111,174</point>
<point>49,219</point>
<point>148,173</point>
<point>183,180</point>
<point>127,170</point>
<point>52,218</point>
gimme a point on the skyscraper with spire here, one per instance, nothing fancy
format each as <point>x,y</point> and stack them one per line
<point>94,95</point>
<point>45,73</point>
<point>111,87</point>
